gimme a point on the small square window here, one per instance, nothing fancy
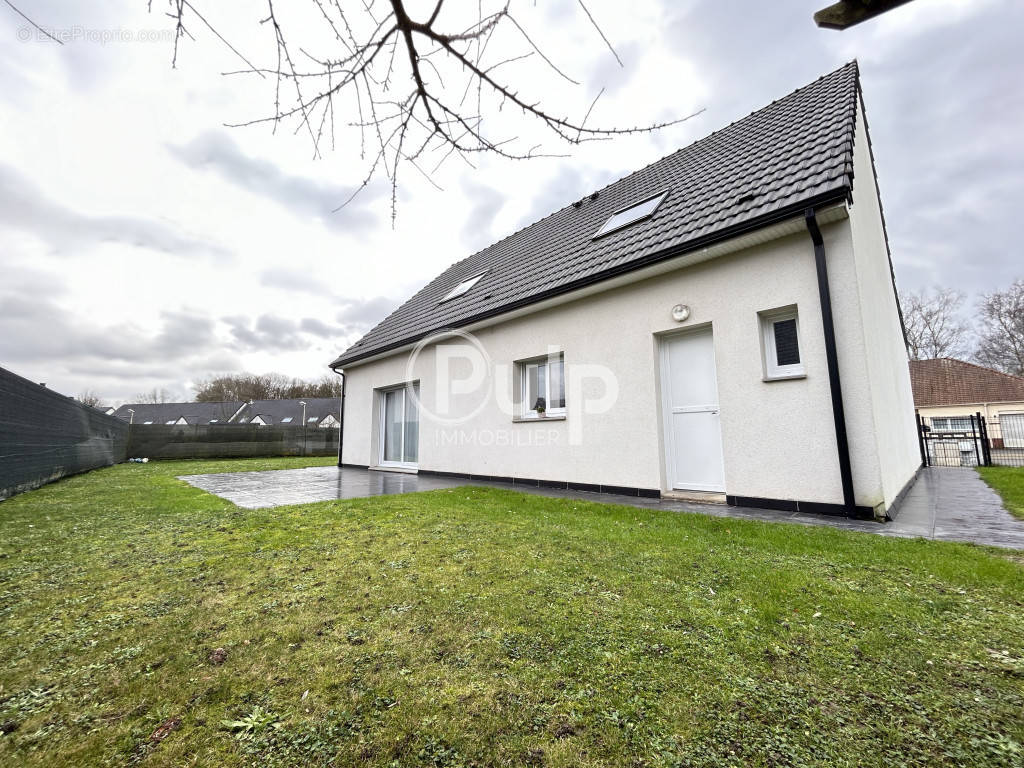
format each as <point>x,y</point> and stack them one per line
<point>780,334</point>
<point>541,387</point>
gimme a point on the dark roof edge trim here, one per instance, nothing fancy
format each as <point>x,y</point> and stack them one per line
<point>790,211</point>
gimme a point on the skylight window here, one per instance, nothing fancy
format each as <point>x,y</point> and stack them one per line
<point>631,215</point>
<point>462,288</point>
<point>286,419</point>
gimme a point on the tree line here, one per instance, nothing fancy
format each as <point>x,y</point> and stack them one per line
<point>937,327</point>
<point>239,386</point>
<point>266,386</point>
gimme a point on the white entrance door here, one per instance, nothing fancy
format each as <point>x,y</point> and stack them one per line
<point>693,434</point>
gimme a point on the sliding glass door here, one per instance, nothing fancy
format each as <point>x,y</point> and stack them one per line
<point>400,426</point>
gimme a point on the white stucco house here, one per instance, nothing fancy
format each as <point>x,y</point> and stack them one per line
<point>723,321</point>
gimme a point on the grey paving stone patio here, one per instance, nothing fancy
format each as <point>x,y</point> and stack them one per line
<point>945,503</point>
<point>256,490</point>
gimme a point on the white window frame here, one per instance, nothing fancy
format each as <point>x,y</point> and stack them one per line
<point>965,420</point>
<point>772,370</point>
<point>462,288</point>
<point>382,424</point>
<point>605,229</point>
<point>524,367</point>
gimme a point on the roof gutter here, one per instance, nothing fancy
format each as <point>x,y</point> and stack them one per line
<point>832,360</point>
<point>838,195</point>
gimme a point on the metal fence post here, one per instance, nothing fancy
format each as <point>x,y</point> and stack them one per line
<point>920,440</point>
<point>975,437</point>
<point>986,448</point>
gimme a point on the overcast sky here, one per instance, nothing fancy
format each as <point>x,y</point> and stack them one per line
<point>143,244</point>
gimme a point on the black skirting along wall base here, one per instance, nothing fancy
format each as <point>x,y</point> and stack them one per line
<point>807,507</point>
<point>783,505</point>
<point>619,490</point>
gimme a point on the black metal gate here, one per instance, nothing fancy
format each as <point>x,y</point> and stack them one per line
<point>955,441</point>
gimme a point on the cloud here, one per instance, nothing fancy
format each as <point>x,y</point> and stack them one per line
<point>740,68</point>
<point>266,333</point>
<point>366,313</point>
<point>44,340</point>
<point>319,328</point>
<point>274,333</point>
<point>566,186</point>
<point>487,202</point>
<point>216,151</point>
<point>606,72</point>
<point>39,329</point>
<point>288,280</point>
<point>23,206</point>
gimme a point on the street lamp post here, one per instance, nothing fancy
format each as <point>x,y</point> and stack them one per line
<point>303,404</point>
<point>131,416</point>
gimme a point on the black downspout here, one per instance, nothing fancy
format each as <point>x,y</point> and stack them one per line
<point>832,358</point>
<point>341,414</point>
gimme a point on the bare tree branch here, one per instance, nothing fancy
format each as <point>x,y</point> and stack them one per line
<point>18,11</point>
<point>1001,342</point>
<point>600,32</point>
<point>933,323</point>
<point>406,82</point>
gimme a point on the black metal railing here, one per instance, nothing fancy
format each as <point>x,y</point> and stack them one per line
<point>971,440</point>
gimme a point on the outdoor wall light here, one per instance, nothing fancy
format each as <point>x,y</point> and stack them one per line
<point>680,312</point>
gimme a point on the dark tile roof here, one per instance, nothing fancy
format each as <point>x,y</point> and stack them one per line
<point>276,411</point>
<point>194,413</point>
<point>795,152</point>
<point>945,381</point>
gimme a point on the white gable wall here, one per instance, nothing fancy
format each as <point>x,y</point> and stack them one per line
<point>888,377</point>
<point>778,437</point>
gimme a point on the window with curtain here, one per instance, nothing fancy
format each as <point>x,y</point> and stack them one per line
<point>400,425</point>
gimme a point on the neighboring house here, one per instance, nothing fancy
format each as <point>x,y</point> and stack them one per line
<point>948,392</point>
<point>722,321</point>
<point>179,413</point>
<point>319,412</point>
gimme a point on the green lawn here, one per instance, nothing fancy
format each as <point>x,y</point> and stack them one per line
<point>476,627</point>
<point>1008,482</point>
